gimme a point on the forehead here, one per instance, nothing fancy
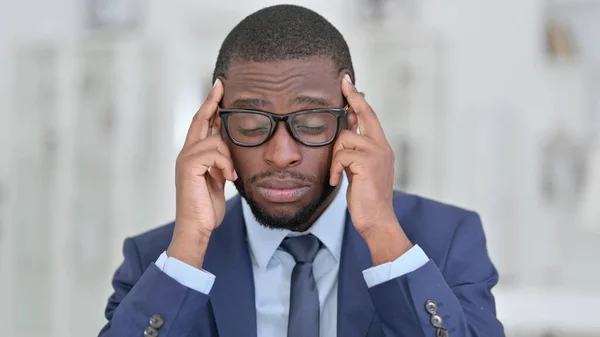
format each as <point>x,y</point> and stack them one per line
<point>280,84</point>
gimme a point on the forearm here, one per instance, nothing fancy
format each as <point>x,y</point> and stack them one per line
<point>139,295</point>
<point>458,301</point>
<point>157,293</point>
<point>421,302</point>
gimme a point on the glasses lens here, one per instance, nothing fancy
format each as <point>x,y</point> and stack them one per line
<point>315,127</point>
<point>248,128</point>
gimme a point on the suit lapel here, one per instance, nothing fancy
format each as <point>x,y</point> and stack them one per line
<point>227,257</point>
<point>355,309</point>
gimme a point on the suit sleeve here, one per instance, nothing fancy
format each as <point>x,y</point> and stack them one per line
<point>142,293</point>
<point>454,302</point>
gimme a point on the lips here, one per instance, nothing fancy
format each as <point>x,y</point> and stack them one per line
<point>282,184</point>
<point>282,191</point>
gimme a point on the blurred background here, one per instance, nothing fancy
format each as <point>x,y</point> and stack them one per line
<point>492,105</point>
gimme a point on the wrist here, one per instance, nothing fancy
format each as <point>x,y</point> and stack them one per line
<point>386,242</point>
<point>189,249</point>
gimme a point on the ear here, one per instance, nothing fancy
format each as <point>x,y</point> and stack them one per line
<point>216,125</point>
<point>344,72</point>
<point>352,119</point>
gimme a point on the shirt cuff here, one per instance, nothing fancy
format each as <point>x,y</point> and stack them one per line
<point>193,278</point>
<point>410,261</point>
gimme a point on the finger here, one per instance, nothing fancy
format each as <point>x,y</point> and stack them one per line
<point>201,126</point>
<point>217,176</point>
<point>352,141</point>
<point>343,159</point>
<point>211,143</point>
<point>201,162</point>
<point>214,142</point>
<point>367,120</point>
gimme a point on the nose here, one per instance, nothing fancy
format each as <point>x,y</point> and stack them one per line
<point>282,150</point>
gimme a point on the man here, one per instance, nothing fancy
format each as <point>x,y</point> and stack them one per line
<point>317,243</point>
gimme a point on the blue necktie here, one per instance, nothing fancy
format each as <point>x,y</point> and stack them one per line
<point>304,298</point>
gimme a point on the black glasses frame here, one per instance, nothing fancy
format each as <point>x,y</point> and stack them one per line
<point>287,119</point>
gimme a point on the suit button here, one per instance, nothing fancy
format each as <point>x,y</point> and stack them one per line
<point>431,307</point>
<point>156,321</point>
<point>150,332</point>
<point>442,333</point>
<point>437,321</point>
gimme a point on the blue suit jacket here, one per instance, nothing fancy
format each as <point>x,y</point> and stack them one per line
<point>458,278</point>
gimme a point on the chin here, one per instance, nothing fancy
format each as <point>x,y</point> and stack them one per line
<point>275,208</point>
<point>283,215</point>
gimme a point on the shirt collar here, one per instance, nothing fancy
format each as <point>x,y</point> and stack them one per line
<point>329,229</point>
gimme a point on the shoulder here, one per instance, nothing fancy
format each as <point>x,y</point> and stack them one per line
<point>437,213</point>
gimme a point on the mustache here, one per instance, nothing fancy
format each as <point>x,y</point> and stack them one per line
<point>283,175</point>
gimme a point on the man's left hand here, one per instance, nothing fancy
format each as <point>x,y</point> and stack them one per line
<point>368,160</point>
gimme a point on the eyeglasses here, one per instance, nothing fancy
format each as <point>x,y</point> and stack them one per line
<point>317,127</point>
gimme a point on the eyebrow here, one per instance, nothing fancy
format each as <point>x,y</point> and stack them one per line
<point>258,103</point>
<point>310,100</point>
<point>251,103</point>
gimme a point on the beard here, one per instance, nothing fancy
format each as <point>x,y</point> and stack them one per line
<point>285,220</point>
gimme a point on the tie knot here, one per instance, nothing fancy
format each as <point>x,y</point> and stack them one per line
<point>302,248</point>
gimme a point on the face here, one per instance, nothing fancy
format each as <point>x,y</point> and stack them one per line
<point>285,182</point>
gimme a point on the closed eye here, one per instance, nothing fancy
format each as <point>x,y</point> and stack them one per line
<point>311,129</point>
<point>254,130</point>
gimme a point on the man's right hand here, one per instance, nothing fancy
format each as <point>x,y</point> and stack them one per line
<point>203,166</point>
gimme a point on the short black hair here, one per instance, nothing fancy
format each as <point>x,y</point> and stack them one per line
<point>283,32</point>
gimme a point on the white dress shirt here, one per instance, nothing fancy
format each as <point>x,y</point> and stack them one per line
<point>272,268</point>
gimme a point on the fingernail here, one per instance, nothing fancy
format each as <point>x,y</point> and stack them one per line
<point>348,79</point>
<point>235,176</point>
<point>216,81</point>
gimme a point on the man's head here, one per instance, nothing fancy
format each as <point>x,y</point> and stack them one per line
<point>280,60</point>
